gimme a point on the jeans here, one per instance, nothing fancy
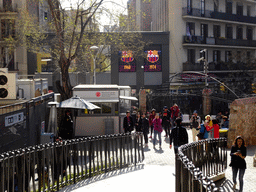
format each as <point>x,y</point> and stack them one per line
<point>146,137</point>
<point>240,178</point>
<point>156,133</point>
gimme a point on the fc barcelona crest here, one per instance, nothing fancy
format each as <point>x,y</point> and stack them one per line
<point>152,56</point>
<point>127,56</point>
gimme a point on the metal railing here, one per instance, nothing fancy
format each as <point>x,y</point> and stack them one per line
<point>55,165</point>
<point>198,163</point>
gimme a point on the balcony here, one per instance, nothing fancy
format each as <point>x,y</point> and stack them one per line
<point>212,66</point>
<point>218,15</point>
<point>189,66</point>
<point>218,41</point>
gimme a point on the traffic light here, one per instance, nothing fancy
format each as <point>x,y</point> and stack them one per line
<point>7,84</point>
<point>222,88</point>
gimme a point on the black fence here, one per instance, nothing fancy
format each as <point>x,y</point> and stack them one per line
<point>52,166</point>
<point>21,123</point>
<point>198,163</point>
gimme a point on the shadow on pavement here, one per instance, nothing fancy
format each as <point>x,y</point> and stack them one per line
<point>102,177</point>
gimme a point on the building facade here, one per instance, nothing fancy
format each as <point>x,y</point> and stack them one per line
<point>209,36</point>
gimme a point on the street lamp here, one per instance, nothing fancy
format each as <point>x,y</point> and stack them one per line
<point>95,49</point>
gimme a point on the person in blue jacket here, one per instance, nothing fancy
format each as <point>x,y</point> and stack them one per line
<point>205,128</point>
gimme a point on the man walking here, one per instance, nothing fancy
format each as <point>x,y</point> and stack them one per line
<point>178,136</point>
<point>128,123</point>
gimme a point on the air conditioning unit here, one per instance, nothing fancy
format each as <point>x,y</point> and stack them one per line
<point>7,84</point>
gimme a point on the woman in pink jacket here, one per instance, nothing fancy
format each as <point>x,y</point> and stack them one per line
<point>157,122</point>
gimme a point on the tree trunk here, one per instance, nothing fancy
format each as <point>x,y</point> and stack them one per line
<point>65,89</point>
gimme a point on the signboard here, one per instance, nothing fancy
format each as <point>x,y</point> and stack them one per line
<point>98,95</point>
<point>127,62</point>
<point>13,119</point>
<point>153,61</point>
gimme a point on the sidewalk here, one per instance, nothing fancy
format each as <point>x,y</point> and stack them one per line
<point>155,173</point>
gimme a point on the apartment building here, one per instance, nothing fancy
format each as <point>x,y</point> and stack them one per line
<point>221,31</point>
<point>226,29</point>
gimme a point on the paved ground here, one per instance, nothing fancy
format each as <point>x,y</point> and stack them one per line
<point>156,173</point>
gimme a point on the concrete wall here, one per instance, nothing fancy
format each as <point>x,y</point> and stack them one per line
<point>243,120</point>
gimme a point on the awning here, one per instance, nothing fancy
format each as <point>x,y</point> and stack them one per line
<point>128,98</point>
<point>103,100</point>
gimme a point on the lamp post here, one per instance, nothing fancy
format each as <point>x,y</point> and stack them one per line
<point>206,91</point>
<point>95,49</point>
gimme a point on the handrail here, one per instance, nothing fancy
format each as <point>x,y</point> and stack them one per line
<point>198,163</point>
<point>52,166</point>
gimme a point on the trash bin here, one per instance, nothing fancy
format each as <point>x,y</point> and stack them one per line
<point>224,132</point>
<point>109,126</point>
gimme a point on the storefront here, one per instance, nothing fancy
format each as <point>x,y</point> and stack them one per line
<point>113,101</point>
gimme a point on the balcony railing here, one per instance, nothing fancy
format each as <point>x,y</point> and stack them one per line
<point>216,66</point>
<point>218,41</point>
<point>218,15</point>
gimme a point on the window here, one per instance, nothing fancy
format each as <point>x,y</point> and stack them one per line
<point>227,56</point>
<point>7,5</point>
<point>216,31</point>
<point>7,28</point>
<point>248,56</point>
<point>216,5</point>
<point>202,7</point>
<point>216,56</point>
<point>229,6</point>
<point>229,32</point>
<point>238,57</point>
<point>239,9</point>
<point>249,11</point>
<point>204,32</point>
<point>191,56</point>
<point>189,6</point>
<point>190,29</point>
<point>249,33</point>
<point>239,32</point>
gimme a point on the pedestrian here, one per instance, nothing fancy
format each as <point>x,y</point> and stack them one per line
<point>219,118</point>
<point>157,122</point>
<point>151,117</point>
<point>204,130</point>
<point>144,122</point>
<point>210,133</point>
<point>175,111</point>
<point>178,136</point>
<point>128,123</point>
<point>238,164</point>
<point>225,122</point>
<point>166,121</point>
<point>195,124</point>
<point>66,127</point>
<point>137,122</point>
<point>216,128</point>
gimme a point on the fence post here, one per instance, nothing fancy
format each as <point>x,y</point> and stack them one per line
<point>178,173</point>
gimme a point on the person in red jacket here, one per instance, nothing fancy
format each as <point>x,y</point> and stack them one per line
<point>150,119</point>
<point>175,112</point>
<point>216,129</point>
<point>157,122</point>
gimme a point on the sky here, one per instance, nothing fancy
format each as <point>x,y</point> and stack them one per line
<point>115,7</point>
